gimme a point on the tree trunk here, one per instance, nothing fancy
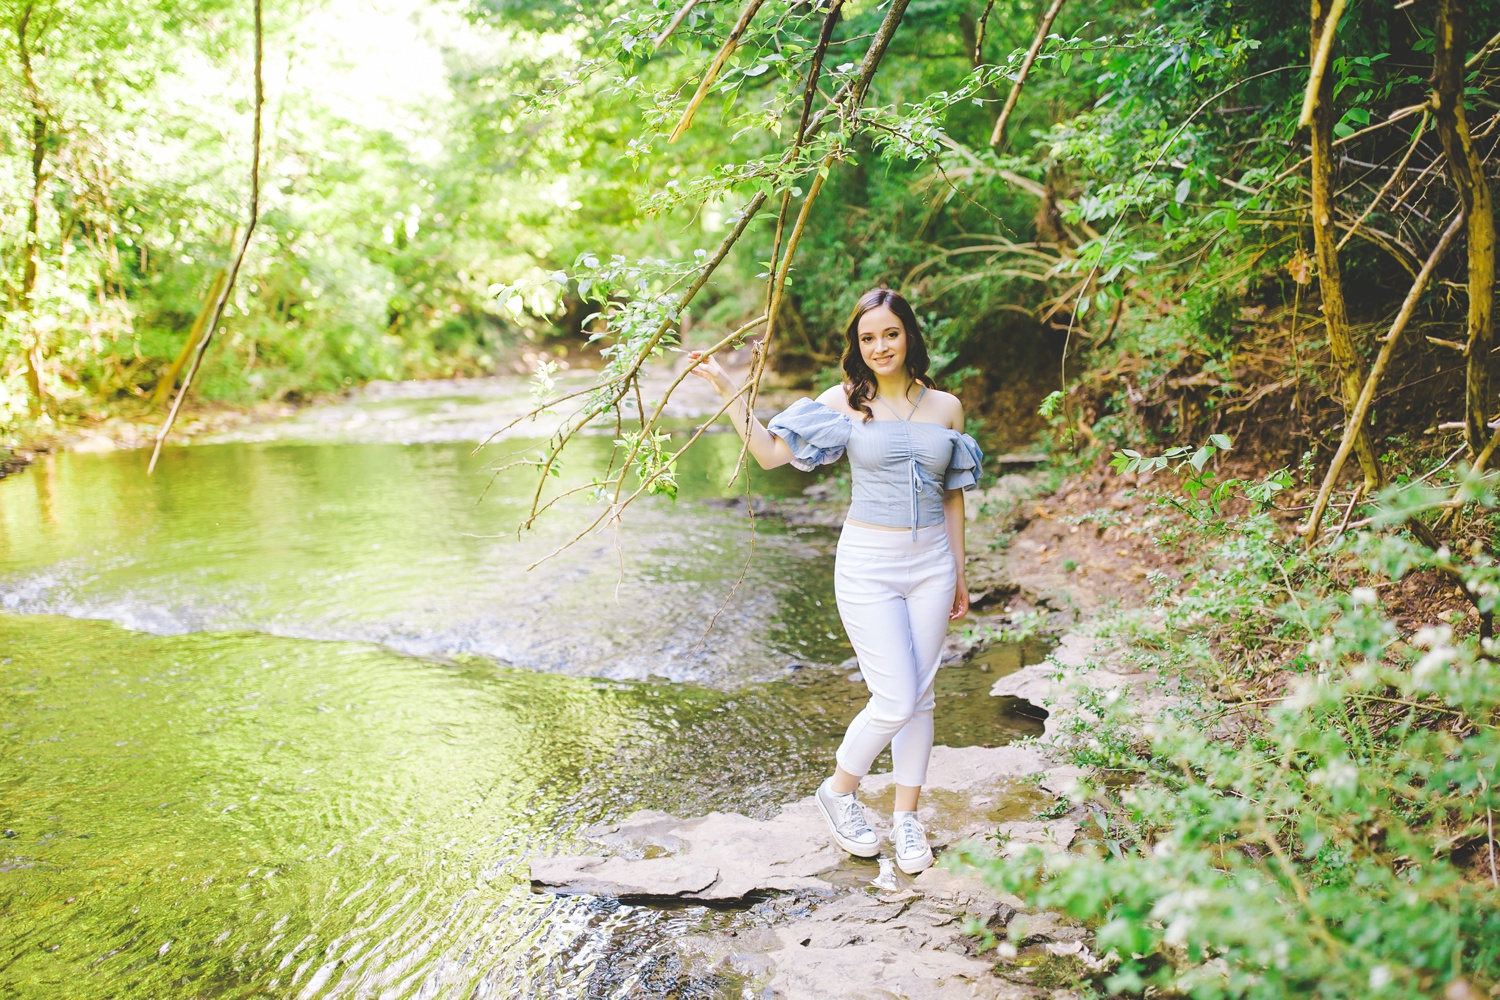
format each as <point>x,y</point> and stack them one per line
<point>1325,236</point>
<point>1466,170</point>
<point>32,259</point>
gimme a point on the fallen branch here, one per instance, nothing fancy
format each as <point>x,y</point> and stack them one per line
<point>1366,396</point>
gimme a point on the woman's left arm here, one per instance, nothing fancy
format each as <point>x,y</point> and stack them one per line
<point>953,520</point>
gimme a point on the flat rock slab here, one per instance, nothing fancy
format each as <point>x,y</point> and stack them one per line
<point>722,857</point>
<point>867,931</point>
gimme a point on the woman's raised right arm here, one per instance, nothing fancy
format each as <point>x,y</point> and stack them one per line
<point>766,448</point>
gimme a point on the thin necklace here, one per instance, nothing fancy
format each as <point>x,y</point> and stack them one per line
<point>914,406</point>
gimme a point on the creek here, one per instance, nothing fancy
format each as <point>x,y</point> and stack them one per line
<point>289,717</point>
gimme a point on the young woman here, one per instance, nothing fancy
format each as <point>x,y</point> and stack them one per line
<point>899,572</point>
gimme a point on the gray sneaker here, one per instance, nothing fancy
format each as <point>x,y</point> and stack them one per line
<point>846,820</point>
<point>910,840</point>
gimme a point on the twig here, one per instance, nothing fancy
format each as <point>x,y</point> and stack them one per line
<point>984,21</point>
<point>1020,81</point>
<point>1489,826</point>
<point>1483,53</point>
<point>1389,182</point>
<point>538,410</point>
<point>854,91</point>
<point>239,257</point>
<point>778,287</point>
<point>1359,491</point>
<point>1320,63</point>
<point>736,334</point>
<point>744,571</point>
<point>615,508</point>
<point>1395,117</point>
<point>680,16</point>
<point>715,67</point>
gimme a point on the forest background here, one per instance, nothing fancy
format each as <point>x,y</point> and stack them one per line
<point>1245,242</point>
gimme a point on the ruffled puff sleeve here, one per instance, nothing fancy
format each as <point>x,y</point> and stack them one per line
<point>817,434</point>
<point>963,468</point>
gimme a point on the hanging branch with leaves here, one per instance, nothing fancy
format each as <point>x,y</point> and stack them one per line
<point>639,328</point>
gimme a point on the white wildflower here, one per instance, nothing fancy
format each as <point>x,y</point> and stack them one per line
<point>1304,693</point>
<point>1362,596</point>
<point>1433,661</point>
<point>1337,775</point>
<point>1380,977</point>
<point>1321,648</point>
<point>1429,636</point>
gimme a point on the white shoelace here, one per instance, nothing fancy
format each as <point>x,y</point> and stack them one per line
<point>911,838</point>
<point>854,818</point>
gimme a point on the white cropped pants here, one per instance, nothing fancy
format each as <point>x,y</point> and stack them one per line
<point>894,594</point>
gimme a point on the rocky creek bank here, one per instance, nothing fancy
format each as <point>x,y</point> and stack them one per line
<point>861,928</point>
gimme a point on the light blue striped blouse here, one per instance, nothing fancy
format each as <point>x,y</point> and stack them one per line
<point>900,468</point>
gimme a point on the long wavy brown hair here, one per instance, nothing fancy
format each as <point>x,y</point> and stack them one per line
<point>859,380</point>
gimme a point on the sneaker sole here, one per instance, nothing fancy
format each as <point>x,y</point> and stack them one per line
<point>915,865</point>
<point>858,850</point>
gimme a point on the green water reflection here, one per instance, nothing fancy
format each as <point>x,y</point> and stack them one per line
<point>239,814</point>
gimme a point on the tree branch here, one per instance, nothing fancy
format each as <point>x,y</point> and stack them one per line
<point>239,257</point>
<point>1020,81</point>
<point>715,67</point>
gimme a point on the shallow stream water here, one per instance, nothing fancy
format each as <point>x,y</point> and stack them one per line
<point>288,718</point>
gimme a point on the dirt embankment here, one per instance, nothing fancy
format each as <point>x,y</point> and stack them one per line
<point>1092,542</point>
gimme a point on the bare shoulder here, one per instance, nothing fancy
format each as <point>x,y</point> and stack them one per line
<point>836,397</point>
<point>946,407</point>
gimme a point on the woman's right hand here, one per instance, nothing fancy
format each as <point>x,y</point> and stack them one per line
<point>709,369</point>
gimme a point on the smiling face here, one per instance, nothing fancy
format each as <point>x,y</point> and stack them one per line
<point>882,341</point>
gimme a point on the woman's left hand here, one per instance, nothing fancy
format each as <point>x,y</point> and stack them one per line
<point>960,600</point>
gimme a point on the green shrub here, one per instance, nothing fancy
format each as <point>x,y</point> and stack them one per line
<point>1316,816</point>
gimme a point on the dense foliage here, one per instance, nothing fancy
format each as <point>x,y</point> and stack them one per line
<point>1172,235</point>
